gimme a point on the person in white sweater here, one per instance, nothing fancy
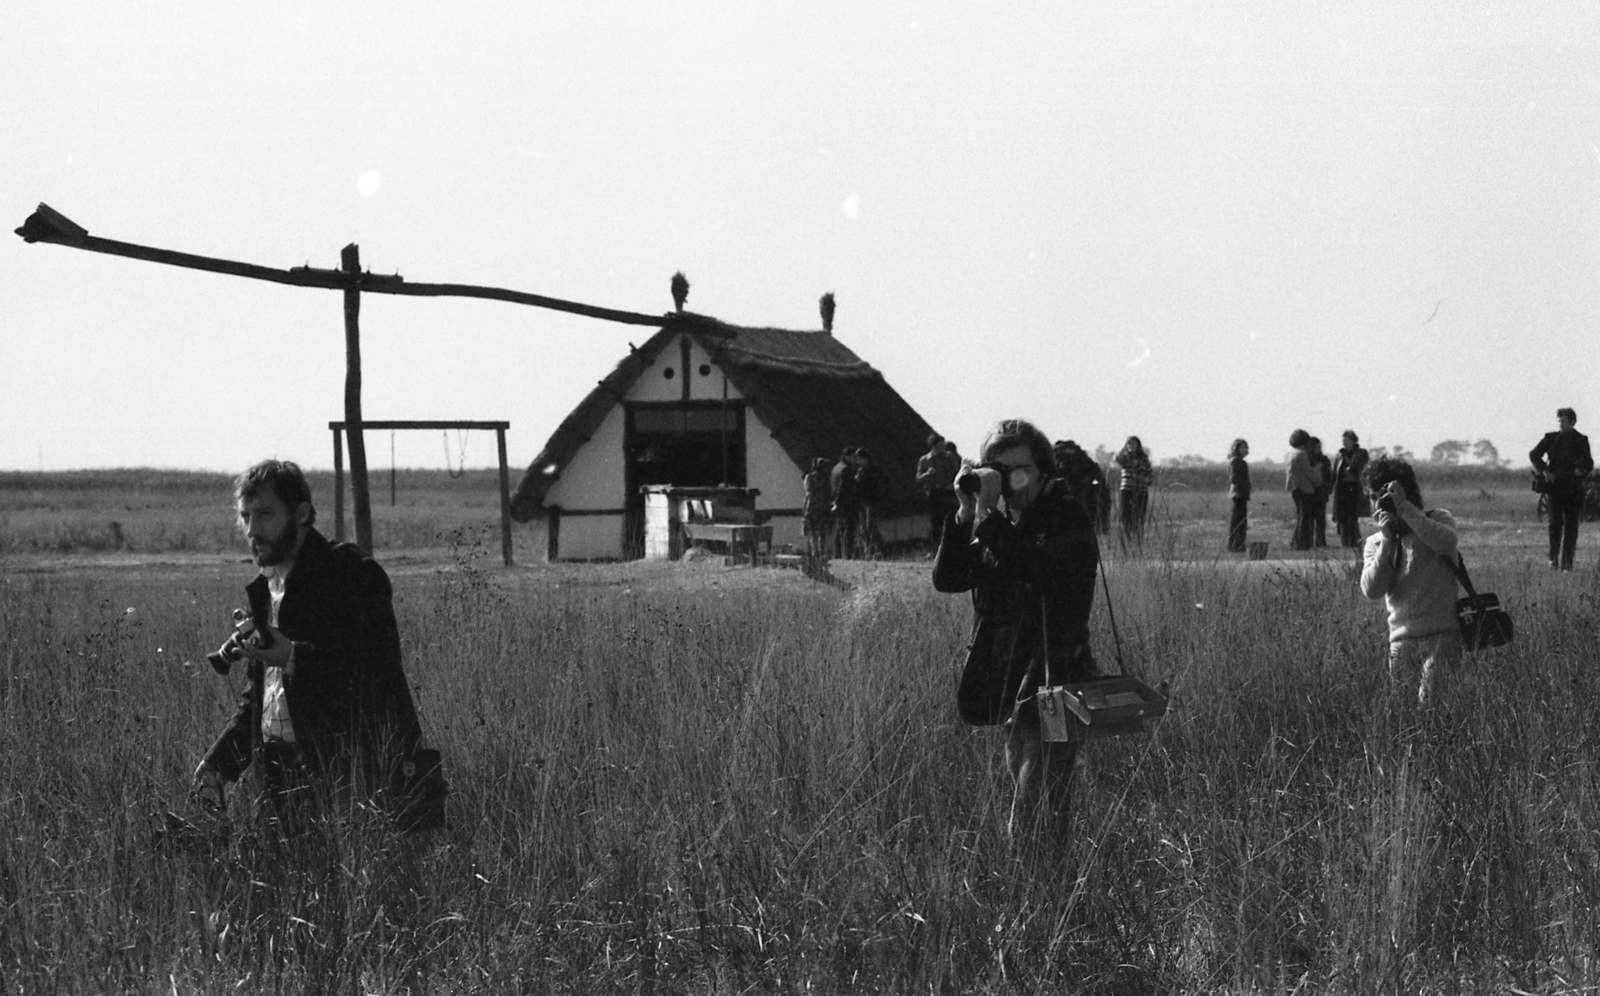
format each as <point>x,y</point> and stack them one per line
<point>1407,564</point>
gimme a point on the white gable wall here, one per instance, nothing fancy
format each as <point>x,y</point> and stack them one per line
<point>654,385</point>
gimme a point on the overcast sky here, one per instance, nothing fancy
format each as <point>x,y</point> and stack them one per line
<point>1165,219</point>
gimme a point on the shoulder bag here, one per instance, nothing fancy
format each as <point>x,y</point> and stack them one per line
<point>1483,622</point>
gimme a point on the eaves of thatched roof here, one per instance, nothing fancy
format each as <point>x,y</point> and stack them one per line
<point>808,388</point>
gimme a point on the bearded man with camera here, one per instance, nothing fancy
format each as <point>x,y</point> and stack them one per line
<point>326,702</point>
<point>1026,550</point>
<point>1407,563</point>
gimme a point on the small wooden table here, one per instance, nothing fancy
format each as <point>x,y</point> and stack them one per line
<point>748,542</point>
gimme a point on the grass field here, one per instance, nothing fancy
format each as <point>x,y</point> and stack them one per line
<point>685,778</point>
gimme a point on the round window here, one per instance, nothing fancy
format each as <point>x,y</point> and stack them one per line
<point>667,373</point>
<point>705,369</point>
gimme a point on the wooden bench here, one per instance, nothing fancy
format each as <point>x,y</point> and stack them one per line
<point>749,543</point>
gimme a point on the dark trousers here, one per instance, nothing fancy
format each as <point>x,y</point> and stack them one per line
<point>1304,528</point>
<point>1347,513</point>
<point>1135,504</point>
<point>1564,508</point>
<point>846,522</point>
<point>1238,524</point>
<point>1319,518</point>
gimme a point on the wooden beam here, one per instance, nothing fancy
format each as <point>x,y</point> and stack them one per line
<point>48,225</point>
<point>424,424</point>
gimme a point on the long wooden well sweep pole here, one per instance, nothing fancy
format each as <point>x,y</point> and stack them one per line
<point>48,225</point>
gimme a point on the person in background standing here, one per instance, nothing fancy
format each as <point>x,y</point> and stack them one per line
<point>1137,476</point>
<point>846,510</point>
<point>1322,467</point>
<point>814,509</point>
<point>869,494</point>
<point>1239,493</point>
<point>1349,499</point>
<point>936,475</point>
<point>1562,460</point>
<point>1301,482</point>
<point>1080,474</point>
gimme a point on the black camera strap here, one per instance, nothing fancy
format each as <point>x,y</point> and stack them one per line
<point>1111,613</point>
<point>1116,638</point>
<point>1459,569</point>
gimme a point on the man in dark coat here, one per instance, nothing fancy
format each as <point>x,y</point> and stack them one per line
<point>1349,497</point>
<point>1082,476</point>
<point>1562,461</point>
<point>936,475</point>
<point>326,700</point>
<point>846,505</point>
<point>1025,548</point>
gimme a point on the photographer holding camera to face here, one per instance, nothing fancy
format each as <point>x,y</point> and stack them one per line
<point>1026,550</point>
<point>1406,563</point>
<point>326,701</point>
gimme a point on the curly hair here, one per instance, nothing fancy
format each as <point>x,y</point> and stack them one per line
<point>1379,472</point>
<point>283,477</point>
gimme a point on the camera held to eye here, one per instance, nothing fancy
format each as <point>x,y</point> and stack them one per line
<point>245,631</point>
<point>1386,503</point>
<point>969,483</point>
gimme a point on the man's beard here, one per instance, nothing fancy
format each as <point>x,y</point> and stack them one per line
<point>274,551</point>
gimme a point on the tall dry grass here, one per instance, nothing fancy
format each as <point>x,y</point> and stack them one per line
<point>151,511</point>
<point>717,781</point>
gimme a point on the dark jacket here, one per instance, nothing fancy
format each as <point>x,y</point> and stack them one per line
<point>1238,479</point>
<point>1349,496</point>
<point>1083,478</point>
<point>1032,583</point>
<point>348,697</point>
<point>1566,457</point>
<point>845,497</point>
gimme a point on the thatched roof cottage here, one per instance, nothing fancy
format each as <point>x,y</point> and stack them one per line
<point>707,403</point>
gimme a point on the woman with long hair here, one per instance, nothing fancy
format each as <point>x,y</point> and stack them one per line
<point>1137,476</point>
<point>1239,492</point>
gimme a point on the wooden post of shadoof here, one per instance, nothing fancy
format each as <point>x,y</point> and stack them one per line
<point>49,225</point>
<point>360,497</point>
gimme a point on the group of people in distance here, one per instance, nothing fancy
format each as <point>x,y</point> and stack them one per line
<point>839,514</point>
<point>1311,478</point>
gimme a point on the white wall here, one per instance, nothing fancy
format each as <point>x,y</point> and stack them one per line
<point>594,478</point>
<point>591,537</point>
<point>653,385</point>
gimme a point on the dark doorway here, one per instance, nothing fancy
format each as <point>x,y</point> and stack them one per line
<point>687,443</point>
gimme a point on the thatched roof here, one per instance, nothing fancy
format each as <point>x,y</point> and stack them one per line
<point>815,395</point>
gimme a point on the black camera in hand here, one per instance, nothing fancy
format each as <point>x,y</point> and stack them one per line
<point>1386,503</point>
<point>969,483</point>
<point>245,631</point>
